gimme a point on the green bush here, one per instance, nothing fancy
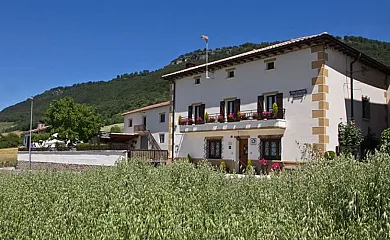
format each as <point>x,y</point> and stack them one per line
<point>385,139</point>
<point>330,155</point>
<point>115,129</point>
<point>350,137</point>
<point>89,146</point>
<point>41,137</point>
<point>337,199</point>
<point>10,140</point>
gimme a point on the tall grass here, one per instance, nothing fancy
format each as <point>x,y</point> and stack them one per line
<point>340,199</point>
<point>8,157</point>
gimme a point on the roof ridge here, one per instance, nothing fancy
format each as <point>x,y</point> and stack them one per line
<point>148,107</point>
<point>293,40</point>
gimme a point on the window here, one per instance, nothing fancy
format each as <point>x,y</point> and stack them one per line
<point>230,74</point>
<point>162,138</point>
<point>144,121</point>
<point>130,122</point>
<point>271,149</point>
<point>214,148</point>
<point>197,112</point>
<point>270,65</point>
<point>271,99</point>
<point>366,107</point>
<point>230,107</point>
<point>162,117</point>
<point>197,81</point>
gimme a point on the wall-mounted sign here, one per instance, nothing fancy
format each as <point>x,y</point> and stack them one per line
<point>253,141</point>
<point>298,93</point>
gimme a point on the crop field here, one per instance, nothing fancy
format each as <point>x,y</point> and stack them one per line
<point>5,125</point>
<point>8,157</point>
<point>338,199</point>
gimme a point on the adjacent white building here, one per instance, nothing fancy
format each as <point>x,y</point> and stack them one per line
<point>149,125</point>
<point>269,102</point>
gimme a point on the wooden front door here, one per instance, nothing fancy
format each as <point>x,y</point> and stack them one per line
<point>243,154</point>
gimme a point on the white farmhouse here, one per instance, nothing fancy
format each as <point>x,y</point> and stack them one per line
<point>267,103</point>
<point>149,125</point>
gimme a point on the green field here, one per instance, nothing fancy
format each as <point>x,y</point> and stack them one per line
<point>5,125</point>
<point>108,128</point>
<point>340,199</point>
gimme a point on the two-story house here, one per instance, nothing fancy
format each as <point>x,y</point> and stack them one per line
<point>269,102</point>
<point>150,126</point>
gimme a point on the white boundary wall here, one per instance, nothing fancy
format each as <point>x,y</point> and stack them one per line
<point>98,158</point>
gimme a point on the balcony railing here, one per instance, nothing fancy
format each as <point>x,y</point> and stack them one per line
<point>139,128</point>
<point>241,116</point>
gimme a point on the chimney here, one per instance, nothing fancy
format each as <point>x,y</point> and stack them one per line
<point>41,125</point>
<point>190,65</point>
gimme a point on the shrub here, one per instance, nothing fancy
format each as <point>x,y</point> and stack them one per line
<point>385,139</point>
<point>89,147</point>
<point>115,129</point>
<point>350,137</point>
<point>329,155</point>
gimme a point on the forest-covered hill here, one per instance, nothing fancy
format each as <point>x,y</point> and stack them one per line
<point>134,90</point>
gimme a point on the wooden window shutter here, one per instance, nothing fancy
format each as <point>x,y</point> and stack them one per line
<point>368,109</point>
<point>237,104</point>
<point>260,104</point>
<point>189,112</point>
<point>222,108</point>
<point>202,111</point>
<point>279,102</point>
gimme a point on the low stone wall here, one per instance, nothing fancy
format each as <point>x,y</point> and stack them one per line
<point>89,158</point>
<point>42,166</point>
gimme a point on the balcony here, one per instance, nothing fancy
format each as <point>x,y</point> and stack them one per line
<point>139,128</point>
<point>245,120</point>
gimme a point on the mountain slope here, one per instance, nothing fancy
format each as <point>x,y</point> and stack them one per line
<point>130,91</point>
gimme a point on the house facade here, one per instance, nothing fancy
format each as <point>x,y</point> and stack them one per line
<point>268,103</point>
<point>149,126</point>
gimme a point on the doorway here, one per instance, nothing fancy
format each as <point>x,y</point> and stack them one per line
<point>144,142</point>
<point>144,121</point>
<point>243,154</point>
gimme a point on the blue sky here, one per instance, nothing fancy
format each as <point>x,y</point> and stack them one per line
<point>45,44</point>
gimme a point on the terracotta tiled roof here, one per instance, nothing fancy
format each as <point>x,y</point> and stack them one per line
<point>277,46</point>
<point>157,105</point>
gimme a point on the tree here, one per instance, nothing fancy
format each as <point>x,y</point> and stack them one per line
<point>73,121</point>
<point>350,138</point>
<point>115,129</point>
<point>10,140</point>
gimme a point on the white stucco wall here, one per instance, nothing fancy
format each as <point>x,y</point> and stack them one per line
<point>372,85</point>
<point>98,158</point>
<point>152,123</point>
<point>292,72</point>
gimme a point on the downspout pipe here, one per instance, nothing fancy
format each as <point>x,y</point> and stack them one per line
<point>351,77</point>
<point>173,118</point>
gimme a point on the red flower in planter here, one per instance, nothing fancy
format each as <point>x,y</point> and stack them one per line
<point>199,119</point>
<point>263,162</point>
<point>255,115</point>
<point>190,121</point>
<point>275,166</point>
<point>220,118</point>
<point>183,121</point>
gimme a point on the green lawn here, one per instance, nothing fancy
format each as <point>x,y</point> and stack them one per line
<point>5,125</point>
